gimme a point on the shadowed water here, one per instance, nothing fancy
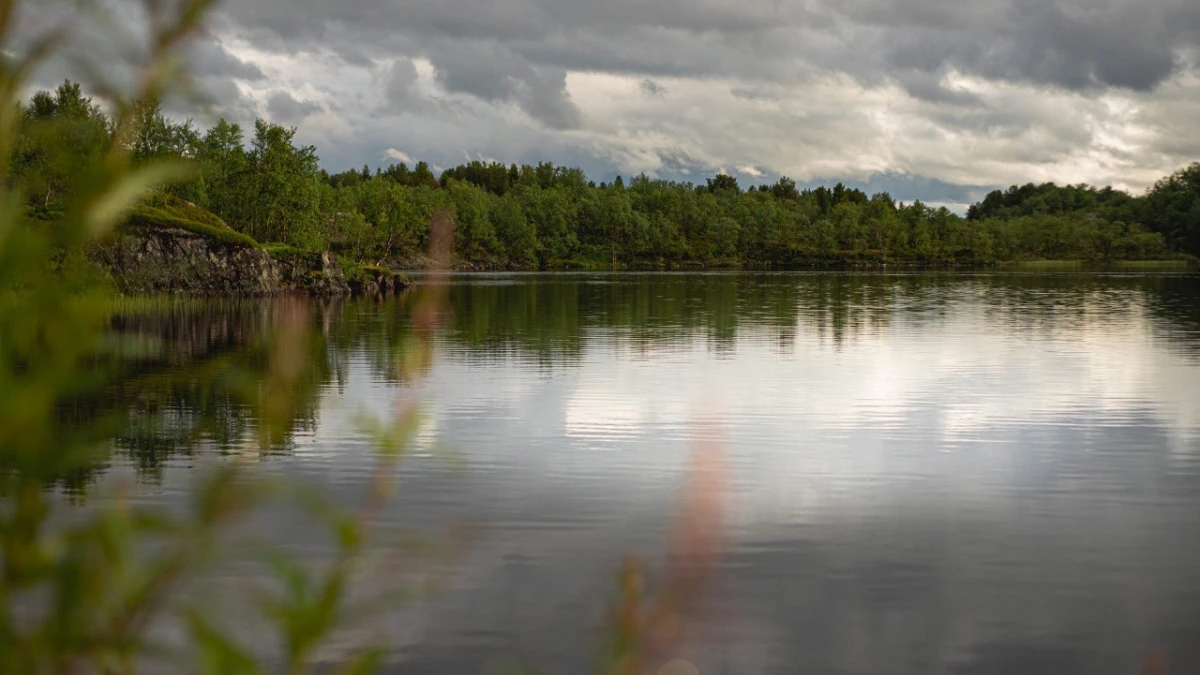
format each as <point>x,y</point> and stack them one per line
<point>925,472</point>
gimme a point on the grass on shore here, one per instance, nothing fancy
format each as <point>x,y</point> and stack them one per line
<point>1177,264</point>
<point>164,211</point>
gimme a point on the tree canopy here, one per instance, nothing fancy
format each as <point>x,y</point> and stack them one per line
<point>526,216</point>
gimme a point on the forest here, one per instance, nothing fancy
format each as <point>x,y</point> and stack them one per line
<point>271,189</point>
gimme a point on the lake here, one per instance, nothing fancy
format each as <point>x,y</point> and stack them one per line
<point>844,472</point>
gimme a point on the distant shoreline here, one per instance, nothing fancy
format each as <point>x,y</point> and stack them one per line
<point>1089,265</point>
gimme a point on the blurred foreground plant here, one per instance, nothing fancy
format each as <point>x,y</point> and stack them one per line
<point>648,627</point>
<point>104,590</point>
<point>84,592</point>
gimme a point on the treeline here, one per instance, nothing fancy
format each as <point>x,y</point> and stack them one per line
<point>547,216</point>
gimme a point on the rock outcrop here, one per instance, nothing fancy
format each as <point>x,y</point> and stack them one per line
<point>312,273</point>
<point>375,281</point>
<point>169,260</point>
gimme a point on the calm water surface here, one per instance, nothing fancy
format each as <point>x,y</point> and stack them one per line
<point>923,473</point>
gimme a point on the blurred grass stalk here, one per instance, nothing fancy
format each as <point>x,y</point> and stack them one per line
<point>83,593</point>
<point>648,627</point>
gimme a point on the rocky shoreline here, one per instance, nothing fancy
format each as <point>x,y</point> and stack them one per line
<point>147,260</point>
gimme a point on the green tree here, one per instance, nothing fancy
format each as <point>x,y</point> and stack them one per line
<point>553,217</point>
<point>1172,208</point>
<point>517,234</point>
<point>60,134</point>
<point>283,204</point>
<point>474,236</point>
<point>723,182</point>
<point>224,168</point>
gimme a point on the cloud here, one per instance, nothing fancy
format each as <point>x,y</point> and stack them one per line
<point>399,156</point>
<point>652,88</point>
<point>753,93</point>
<point>400,86</point>
<point>969,94</point>
<point>495,73</point>
<point>1070,43</point>
<point>209,58</point>
<point>284,108</point>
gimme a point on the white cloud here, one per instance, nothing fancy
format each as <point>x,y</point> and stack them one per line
<point>399,156</point>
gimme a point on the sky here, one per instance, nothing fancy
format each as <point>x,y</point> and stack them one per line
<point>934,99</point>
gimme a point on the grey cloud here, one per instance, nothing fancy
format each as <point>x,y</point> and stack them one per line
<point>508,20</point>
<point>679,165</point>
<point>1173,116</point>
<point>495,73</point>
<point>1067,43</point>
<point>208,57</point>
<point>545,97</point>
<point>106,43</point>
<point>652,88</point>
<point>284,108</point>
<point>399,86</point>
<point>493,56</point>
<point>221,97</point>
<point>927,86</point>
<point>1074,44</point>
<point>754,93</point>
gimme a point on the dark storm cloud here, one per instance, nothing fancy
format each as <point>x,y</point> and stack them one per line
<point>517,51</point>
<point>495,73</point>
<point>400,86</point>
<point>284,108</point>
<point>927,86</point>
<point>220,97</point>
<point>1066,43</point>
<point>106,42</point>
<point>969,92</point>
<point>207,57</point>
<point>1041,43</point>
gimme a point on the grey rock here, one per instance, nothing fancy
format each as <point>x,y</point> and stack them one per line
<point>165,260</point>
<point>176,261</point>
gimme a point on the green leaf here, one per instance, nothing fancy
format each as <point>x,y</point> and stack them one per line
<point>108,209</point>
<point>218,654</point>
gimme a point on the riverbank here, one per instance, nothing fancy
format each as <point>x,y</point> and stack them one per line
<point>416,264</point>
<point>167,245</point>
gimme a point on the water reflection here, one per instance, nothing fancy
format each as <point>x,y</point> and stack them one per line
<point>928,472</point>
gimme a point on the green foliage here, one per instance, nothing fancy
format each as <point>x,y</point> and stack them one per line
<point>553,217</point>
<point>474,234</point>
<point>164,211</point>
<point>549,217</point>
<point>57,136</point>
<point>1051,199</point>
<point>517,234</point>
<point>88,591</point>
<point>355,272</point>
<point>1172,208</point>
<point>280,188</point>
<point>224,169</point>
